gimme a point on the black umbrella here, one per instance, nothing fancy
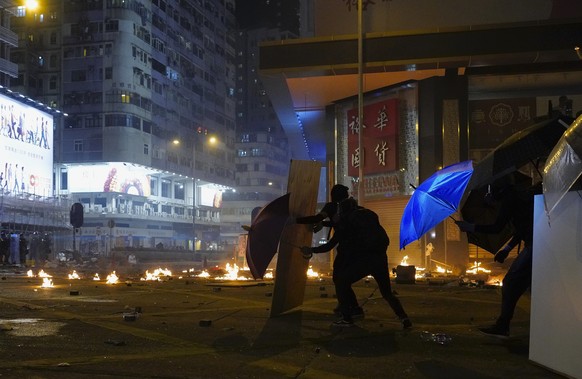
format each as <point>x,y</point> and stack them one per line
<point>475,210</point>
<point>528,145</point>
<point>264,234</point>
<point>478,211</point>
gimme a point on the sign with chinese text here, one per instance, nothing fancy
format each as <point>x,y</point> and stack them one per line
<point>493,121</point>
<point>379,150</point>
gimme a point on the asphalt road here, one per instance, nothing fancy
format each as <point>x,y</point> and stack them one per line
<point>201,328</point>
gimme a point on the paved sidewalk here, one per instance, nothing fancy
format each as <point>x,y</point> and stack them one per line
<point>197,328</point>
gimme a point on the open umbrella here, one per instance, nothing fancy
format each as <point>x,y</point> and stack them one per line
<point>264,234</point>
<point>527,145</point>
<point>564,166</point>
<point>434,200</point>
<point>478,211</point>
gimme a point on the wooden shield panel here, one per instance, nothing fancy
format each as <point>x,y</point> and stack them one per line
<point>291,274</point>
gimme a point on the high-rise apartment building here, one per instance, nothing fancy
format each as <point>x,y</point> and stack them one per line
<point>149,89</point>
<point>262,149</point>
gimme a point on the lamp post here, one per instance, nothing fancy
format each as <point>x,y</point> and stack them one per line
<point>211,140</point>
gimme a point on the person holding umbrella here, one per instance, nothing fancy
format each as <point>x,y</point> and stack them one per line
<point>362,244</point>
<point>517,206</point>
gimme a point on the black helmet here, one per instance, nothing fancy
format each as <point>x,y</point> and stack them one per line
<point>339,192</point>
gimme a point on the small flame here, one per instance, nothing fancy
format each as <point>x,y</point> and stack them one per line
<point>404,261</point>
<point>311,273</point>
<point>96,277</point>
<point>231,273</point>
<point>43,274</point>
<point>46,283</point>
<point>496,280</point>
<point>30,274</point>
<point>157,274</point>
<point>268,275</point>
<point>419,273</point>
<point>476,268</point>
<point>203,274</point>
<point>112,278</point>
<point>442,270</point>
<point>74,275</point>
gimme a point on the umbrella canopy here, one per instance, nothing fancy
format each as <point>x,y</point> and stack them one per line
<point>478,211</point>
<point>536,141</point>
<point>434,200</point>
<point>564,166</point>
<point>264,234</point>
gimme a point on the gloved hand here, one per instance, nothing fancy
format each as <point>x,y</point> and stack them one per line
<point>317,227</point>
<point>465,226</point>
<point>306,251</point>
<point>501,255</point>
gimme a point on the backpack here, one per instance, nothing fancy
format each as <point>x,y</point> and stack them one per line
<point>367,231</point>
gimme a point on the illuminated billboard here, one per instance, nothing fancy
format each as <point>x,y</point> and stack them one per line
<point>109,177</point>
<point>210,196</point>
<point>26,149</point>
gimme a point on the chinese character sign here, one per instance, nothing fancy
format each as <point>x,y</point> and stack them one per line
<point>379,150</point>
<point>493,121</point>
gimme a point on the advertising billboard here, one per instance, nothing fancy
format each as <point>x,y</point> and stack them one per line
<point>26,149</point>
<point>210,196</point>
<point>109,177</point>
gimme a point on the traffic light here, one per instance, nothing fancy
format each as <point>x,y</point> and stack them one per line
<point>76,215</point>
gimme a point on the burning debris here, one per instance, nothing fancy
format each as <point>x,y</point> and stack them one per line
<point>477,269</point>
<point>47,283</point>
<point>112,278</point>
<point>42,274</point>
<point>157,275</point>
<point>311,273</point>
<point>232,273</point>
<point>74,275</point>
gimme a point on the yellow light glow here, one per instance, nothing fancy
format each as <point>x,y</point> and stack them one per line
<point>31,4</point>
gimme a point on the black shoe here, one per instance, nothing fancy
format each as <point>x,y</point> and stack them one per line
<point>495,331</point>
<point>406,323</point>
<point>343,323</point>
<point>357,313</point>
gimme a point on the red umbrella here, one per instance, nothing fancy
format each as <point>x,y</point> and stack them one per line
<point>264,235</point>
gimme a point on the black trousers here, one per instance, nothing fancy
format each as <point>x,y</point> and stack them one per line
<point>357,268</point>
<point>515,283</point>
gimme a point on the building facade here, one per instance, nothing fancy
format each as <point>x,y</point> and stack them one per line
<point>147,86</point>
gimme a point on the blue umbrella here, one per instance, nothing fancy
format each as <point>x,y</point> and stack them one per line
<point>435,199</point>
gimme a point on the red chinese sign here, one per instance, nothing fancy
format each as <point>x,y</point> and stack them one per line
<point>379,139</point>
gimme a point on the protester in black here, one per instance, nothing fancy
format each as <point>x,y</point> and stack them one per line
<point>327,217</point>
<point>517,205</point>
<point>4,247</point>
<point>361,244</point>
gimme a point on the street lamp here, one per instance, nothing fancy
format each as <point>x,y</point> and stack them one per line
<point>205,139</point>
